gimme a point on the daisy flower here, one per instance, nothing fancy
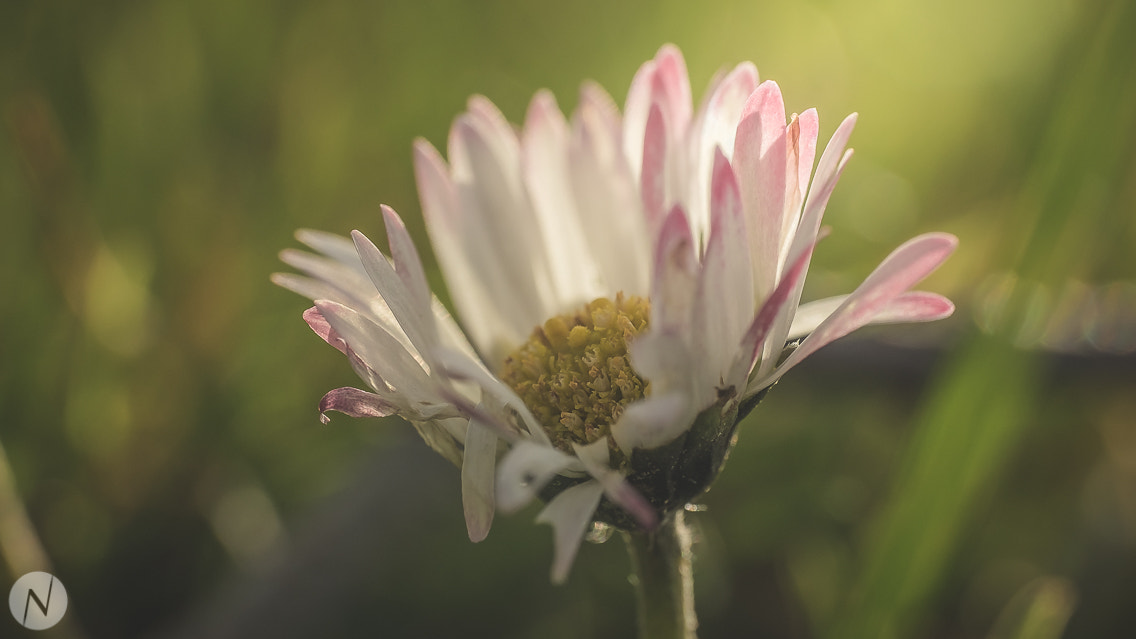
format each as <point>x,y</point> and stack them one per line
<point>628,287</point>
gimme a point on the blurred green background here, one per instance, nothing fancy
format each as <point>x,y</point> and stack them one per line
<point>162,452</point>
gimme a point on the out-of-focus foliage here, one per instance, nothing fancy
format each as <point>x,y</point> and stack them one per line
<point>157,394</point>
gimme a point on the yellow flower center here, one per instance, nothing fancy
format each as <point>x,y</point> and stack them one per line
<point>574,373</point>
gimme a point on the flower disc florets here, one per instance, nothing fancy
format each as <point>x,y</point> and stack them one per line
<point>574,373</point>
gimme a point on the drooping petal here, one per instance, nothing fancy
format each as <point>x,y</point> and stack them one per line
<point>354,403</point>
<point>318,324</point>
<point>569,514</point>
<point>477,473</point>
<point>525,470</point>
<point>459,367</point>
<point>595,457</point>
<point>906,266</point>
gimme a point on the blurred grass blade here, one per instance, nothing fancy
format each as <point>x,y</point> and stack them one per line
<point>971,422</point>
<point>1038,611</point>
<point>982,403</point>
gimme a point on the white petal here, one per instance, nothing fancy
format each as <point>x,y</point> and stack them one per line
<point>607,196</point>
<point>544,161</point>
<point>495,324</point>
<point>487,175</point>
<point>334,246</point>
<point>408,267</point>
<point>346,283</point>
<point>415,321</point>
<point>810,315</point>
<point>570,513</point>
<point>478,469</point>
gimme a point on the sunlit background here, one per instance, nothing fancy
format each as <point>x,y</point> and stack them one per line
<point>161,449</point>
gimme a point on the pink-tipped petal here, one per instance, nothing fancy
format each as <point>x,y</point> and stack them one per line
<point>759,160</point>
<point>906,266</point>
<point>671,87</point>
<point>354,403</point>
<point>803,142</point>
<point>715,128</point>
<point>318,324</point>
<point>674,275</point>
<point>569,514</point>
<point>774,308</point>
<point>724,304</point>
<point>832,163</point>
<point>915,306</point>
<point>719,115</point>
<point>479,463</point>
<point>635,112</point>
<point>379,351</point>
<point>653,181</point>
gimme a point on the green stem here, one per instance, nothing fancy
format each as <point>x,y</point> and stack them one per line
<point>664,580</point>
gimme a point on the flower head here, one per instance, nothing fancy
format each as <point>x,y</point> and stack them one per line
<point>628,288</point>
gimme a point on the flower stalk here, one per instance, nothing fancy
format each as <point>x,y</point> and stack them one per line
<point>664,580</point>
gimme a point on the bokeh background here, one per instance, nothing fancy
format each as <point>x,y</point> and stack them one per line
<point>161,448</point>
